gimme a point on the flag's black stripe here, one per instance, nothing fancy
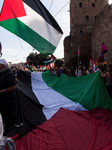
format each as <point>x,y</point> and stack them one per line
<point>37,6</point>
<point>24,77</point>
<point>28,109</point>
<point>24,85</point>
<point>31,114</point>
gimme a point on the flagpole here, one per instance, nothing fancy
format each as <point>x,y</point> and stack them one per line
<point>78,54</point>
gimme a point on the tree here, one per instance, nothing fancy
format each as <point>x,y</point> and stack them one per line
<point>37,59</point>
<point>59,62</point>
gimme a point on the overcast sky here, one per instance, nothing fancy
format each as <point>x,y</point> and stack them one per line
<point>16,50</point>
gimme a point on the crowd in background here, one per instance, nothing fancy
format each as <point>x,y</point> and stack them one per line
<point>105,70</point>
<point>78,71</point>
<point>72,71</point>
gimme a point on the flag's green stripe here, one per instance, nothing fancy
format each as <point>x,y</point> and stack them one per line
<point>87,90</point>
<point>27,34</point>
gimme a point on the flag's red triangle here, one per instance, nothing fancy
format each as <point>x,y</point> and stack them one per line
<point>26,63</point>
<point>12,9</point>
<point>53,57</point>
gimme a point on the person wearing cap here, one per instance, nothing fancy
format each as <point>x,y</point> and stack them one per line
<point>7,98</point>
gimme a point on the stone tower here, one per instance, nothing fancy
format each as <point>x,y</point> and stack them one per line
<point>82,18</point>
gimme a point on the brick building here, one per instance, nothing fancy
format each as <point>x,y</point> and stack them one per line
<point>90,25</point>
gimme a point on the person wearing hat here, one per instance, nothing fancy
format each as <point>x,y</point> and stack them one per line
<point>7,98</point>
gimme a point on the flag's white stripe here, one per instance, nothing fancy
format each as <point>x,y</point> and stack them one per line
<point>1,5</point>
<point>51,99</point>
<point>40,26</point>
<point>48,61</point>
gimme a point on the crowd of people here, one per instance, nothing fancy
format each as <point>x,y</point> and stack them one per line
<point>78,71</point>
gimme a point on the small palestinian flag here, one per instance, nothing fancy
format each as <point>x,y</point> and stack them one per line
<point>27,65</point>
<point>52,59</point>
<point>30,20</point>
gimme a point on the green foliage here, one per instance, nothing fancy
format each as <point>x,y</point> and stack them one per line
<point>37,59</point>
<point>59,63</point>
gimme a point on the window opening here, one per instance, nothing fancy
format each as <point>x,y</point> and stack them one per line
<point>93,4</point>
<point>87,18</point>
<point>81,32</point>
<point>80,4</point>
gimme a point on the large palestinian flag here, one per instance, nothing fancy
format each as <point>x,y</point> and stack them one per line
<point>30,20</point>
<point>63,112</point>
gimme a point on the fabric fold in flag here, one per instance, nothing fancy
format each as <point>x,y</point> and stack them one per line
<point>71,130</point>
<point>33,23</point>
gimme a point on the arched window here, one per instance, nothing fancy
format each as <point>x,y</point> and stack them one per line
<point>81,32</point>
<point>80,4</point>
<point>87,18</point>
<point>93,4</point>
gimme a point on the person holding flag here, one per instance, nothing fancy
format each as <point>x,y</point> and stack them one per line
<point>7,98</point>
<point>108,76</point>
